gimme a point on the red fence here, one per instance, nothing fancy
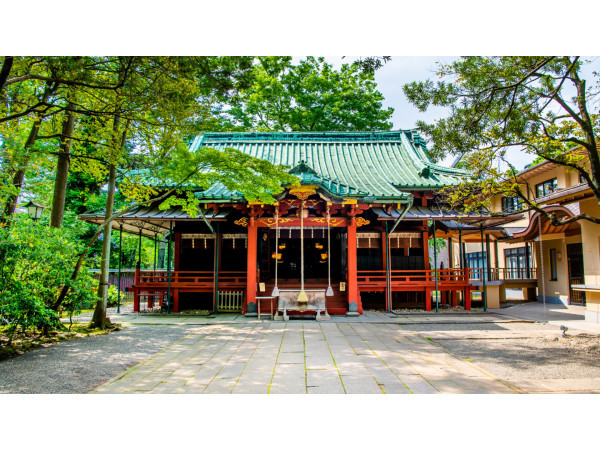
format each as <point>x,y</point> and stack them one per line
<point>401,279</point>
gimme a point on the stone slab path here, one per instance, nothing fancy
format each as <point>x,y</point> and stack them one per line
<point>305,357</point>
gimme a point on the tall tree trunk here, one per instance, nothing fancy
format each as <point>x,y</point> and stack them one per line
<point>5,71</point>
<point>19,176</point>
<point>21,165</point>
<point>62,169</point>
<point>100,320</point>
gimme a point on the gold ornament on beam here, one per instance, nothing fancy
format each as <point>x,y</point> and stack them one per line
<point>243,222</point>
<point>360,222</point>
<point>303,192</point>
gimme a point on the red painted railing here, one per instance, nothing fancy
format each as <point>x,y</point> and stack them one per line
<point>445,277</point>
<point>181,278</point>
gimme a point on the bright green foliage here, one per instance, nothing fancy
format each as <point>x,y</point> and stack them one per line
<point>439,244</point>
<point>310,96</point>
<point>539,104</point>
<point>35,262</point>
<point>255,178</point>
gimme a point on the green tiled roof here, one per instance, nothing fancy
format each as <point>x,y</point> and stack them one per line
<point>369,165</point>
<point>379,165</point>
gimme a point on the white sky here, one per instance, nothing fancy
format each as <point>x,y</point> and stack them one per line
<point>404,69</point>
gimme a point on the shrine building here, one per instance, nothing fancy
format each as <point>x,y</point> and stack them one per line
<point>355,230</point>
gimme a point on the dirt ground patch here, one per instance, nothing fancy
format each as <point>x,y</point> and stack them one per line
<point>572,357</point>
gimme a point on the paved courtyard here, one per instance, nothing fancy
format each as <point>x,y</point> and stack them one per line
<point>305,357</point>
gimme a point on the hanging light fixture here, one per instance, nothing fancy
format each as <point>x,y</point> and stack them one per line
<point>275,292</point>
<point>329,291</point>
<point>281,246</point>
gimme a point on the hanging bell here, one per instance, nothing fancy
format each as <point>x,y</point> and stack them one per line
<point>275,292</point>
<point>329,292</point>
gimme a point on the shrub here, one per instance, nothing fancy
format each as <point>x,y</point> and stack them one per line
<point>35,262</point>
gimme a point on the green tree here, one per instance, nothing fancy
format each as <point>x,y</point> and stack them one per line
<point>309,96</point>
<point>540,104</point>
<point>120,117</point>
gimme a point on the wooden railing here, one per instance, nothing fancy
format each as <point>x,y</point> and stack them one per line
<point>503,273</point>
<point>445,277</point>
<point>181,278</point>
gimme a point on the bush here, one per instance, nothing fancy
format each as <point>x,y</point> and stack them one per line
<point>113,297</point>
<point>36,261</point>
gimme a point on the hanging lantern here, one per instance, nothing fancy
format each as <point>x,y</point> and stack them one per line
<point>34,210</point>
<point>329,291</point>
<point>275,292</point>
<point>318,246</point>
<point>323,256</point>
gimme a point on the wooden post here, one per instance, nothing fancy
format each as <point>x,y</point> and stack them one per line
<point>460,250</point>
<point>169,267</point>
<point>251,268</point>
<point>384,249</point>
<point>496,259</point>
<point>426,265</point>
<point>120,258</point>
<point>177,250</point>
<point>427,298</point>
<point>386,266</point>
<point>450,254</point>
<point>354,304</point>
<point>216,263</point>
<point>136,292</point>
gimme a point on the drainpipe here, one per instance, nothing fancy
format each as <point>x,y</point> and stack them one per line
<point>388,268</point>
<point>483,274</point>
<point>169,267</point>
<point>437,308</point>
<point>206,221</point>
<point>388,282</point>
<point>155,244</point>
<point>216,268</point>
<point>139,263</point>
<point>120,248</point>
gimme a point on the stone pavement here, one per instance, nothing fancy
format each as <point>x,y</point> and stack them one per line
<point>571,316</point>
<point>305,357</point>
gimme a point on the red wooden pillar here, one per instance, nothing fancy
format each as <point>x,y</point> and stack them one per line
<point>384,264</point>
<point>427,299</point>
<point>251,268</point>
<point>354,303</point>
<point>426,248</point>
<point>176,300</point>
<point>136,292</point>
<point>177,251</point>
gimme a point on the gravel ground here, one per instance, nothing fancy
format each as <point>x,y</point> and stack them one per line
<point>540,356</point>
<point>80,365</point>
